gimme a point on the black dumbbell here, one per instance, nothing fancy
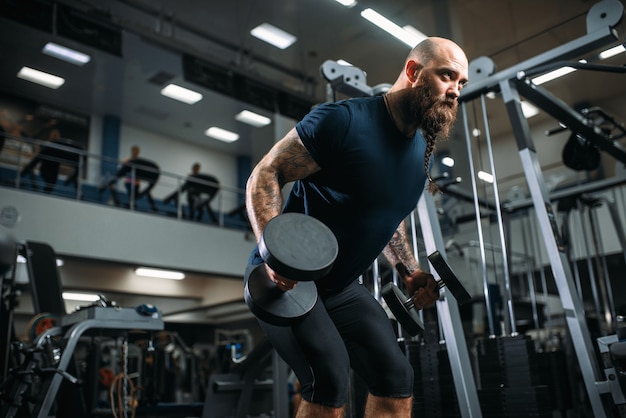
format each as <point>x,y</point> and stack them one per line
<point>298,247</point>
<point>403,308</point>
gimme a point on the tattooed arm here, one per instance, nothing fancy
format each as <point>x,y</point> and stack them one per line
<point>420,284</point>
<point>288,160</point>
<point>398,250</point>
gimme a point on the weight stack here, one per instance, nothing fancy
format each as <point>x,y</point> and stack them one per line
<point>511,380</point>
<point>434,394</point>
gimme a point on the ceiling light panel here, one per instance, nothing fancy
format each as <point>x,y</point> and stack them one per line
<point>616,50</point>
<point>273,35</point>
<point>253,119</point>
<point>159,274</point>
<point>409,37</point>
<point>82,297</point>
<point>221,134</point>
<point>347,3</point>
<point>41,78</point>
<point>181,94</point>
<point>529,110</point>
<point>66,54</point>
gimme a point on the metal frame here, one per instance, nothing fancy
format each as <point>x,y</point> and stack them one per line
<point>601,19</point>
<point>449,316</point>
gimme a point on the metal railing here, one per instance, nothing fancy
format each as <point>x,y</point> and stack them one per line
<point>64,169</point>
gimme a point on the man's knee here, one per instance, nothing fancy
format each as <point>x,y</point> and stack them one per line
<point>329,386</point>
<point>396,379</point>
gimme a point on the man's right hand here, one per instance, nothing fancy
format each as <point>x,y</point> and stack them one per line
<point>282,282</point>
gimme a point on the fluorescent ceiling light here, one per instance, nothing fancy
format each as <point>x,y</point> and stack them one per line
<point>66,54</point>
<point>529,110</point>
<point>486,177</point>
<point>347,3</point>
<point>559,72</point>
<point>159,274</point>
<point>252,118</point>
<point>39,77</point>
<point>447,161</point>
<point>612,52</point>
<point>418,36</point>
<point>408,37</point>
<point>221,134</point>
<point>273,35</point>
<point>83,297</point>
<point>181,94</point>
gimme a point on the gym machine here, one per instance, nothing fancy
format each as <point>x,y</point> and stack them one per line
<point>32,384</point>
<point>513,82</point>
<point>250,389</point>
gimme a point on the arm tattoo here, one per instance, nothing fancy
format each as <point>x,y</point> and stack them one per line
<point>287,161</point>
<point>399,251</point>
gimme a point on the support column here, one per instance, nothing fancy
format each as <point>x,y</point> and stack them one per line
<point>110,150</point>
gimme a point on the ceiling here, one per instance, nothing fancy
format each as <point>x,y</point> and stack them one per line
<point>156,33</point>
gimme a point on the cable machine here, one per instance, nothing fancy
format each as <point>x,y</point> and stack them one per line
<point>513,82</point>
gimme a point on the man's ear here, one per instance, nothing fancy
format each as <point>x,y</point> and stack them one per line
<point>412,70</point>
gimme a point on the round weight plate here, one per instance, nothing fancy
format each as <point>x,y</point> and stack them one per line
<point>396,301</point>
<point>270,304</point>
<point>298,246</point>
<point>448,278</point>
<point>39,323</point>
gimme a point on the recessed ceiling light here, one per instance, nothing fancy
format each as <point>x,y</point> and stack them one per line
<point>66,54</point>
<point>159,274</point>
<point>484,176</point>
<point>418,36</point>
<point>559,72</point>
<point>39,77</point>
<point>447,161</point>
<point>181,94</point>
<point>273,35</point>
<point>347,3</point>
<point>529,110</point>
<point>221,134</point>
<point>611,52</point>
<point>83,297</point>
<point>409,37</point>
<point>252,118</point>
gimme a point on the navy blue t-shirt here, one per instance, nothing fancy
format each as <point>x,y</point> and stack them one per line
<point>371,178</point>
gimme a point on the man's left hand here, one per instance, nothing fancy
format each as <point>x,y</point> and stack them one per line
<point>423,287</point>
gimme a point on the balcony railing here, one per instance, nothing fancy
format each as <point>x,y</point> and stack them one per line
<point>64,169</point>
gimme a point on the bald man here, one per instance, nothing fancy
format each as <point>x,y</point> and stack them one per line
<point>360,167</point>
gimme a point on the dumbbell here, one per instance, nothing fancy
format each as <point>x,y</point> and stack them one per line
<point>298,247</point>
<point>403,308</point>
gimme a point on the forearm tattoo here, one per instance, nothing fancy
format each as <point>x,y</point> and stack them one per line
<point>399,251</point>
<point>287,161</point>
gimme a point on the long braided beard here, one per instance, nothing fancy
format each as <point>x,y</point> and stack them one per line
<point>437,118</point>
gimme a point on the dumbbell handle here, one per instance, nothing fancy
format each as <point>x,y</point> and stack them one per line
<point>404,271</point>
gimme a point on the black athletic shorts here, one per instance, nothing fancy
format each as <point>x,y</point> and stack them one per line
<point>347,329</point>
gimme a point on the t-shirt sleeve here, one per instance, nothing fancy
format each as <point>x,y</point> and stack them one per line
<point>323,130</point>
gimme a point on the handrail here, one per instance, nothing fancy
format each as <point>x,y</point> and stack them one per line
<point>74,180</point>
